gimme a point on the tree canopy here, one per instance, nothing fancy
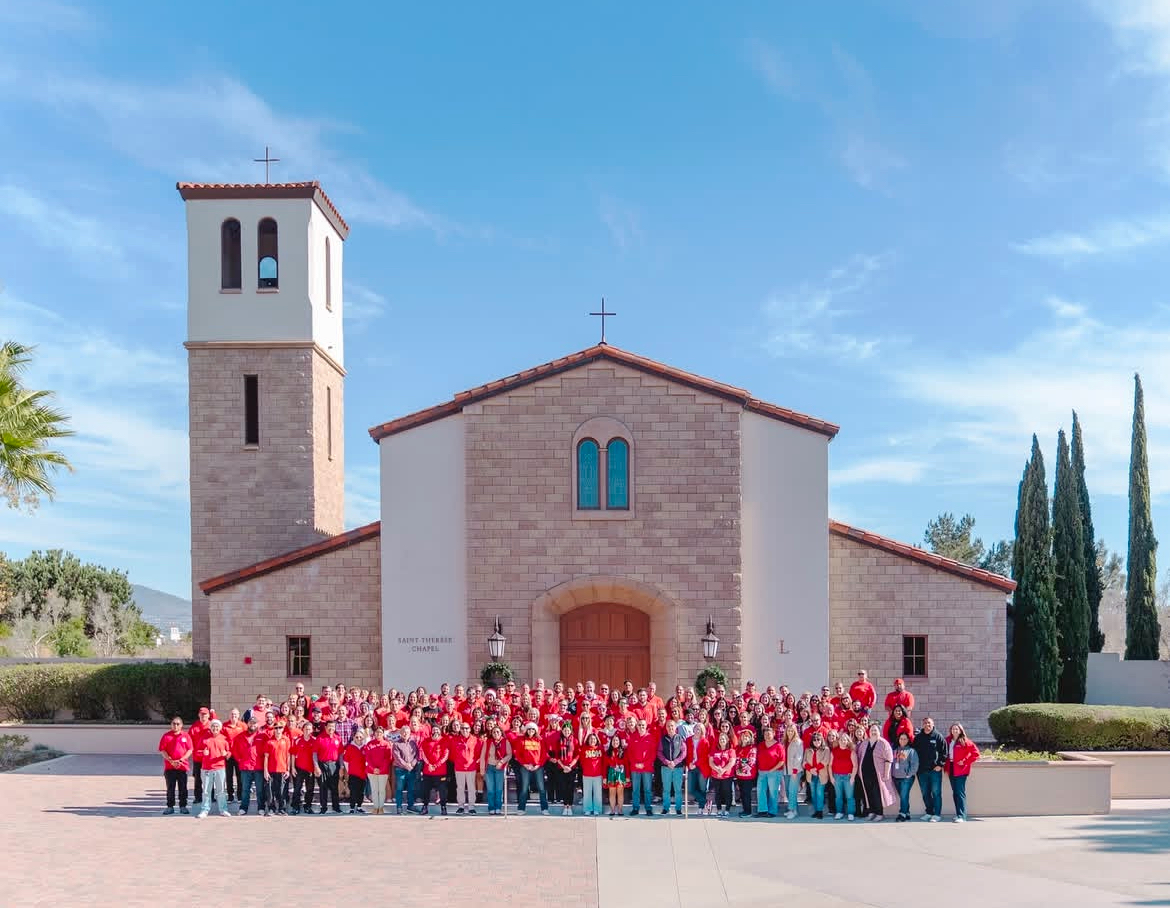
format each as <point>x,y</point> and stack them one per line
<point>29,424</point>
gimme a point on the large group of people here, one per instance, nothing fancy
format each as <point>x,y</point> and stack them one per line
<point>759,753</point>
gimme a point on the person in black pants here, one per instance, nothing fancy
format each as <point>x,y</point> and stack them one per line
<point>326,757</point>
<point>176,748</point>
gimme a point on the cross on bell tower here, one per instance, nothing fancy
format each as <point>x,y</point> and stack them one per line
<point>267,161</point>
<point>603,315</point>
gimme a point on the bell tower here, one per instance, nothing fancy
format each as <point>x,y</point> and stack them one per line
<point>266,370</point>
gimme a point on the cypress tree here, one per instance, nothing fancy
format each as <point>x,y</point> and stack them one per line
<point>1092,573</point>
<point>1035,653</point>
<point>1068,563</point>
<point>1141,613</point>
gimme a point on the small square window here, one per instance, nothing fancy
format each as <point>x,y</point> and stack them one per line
<point>299,663</point>
<point>914,656</point>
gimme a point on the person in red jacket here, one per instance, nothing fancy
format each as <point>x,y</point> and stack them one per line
<point>899,696</point>
<point>248,751</point>
<point>465,751</point>
<point>961,756</point>
<point>862,694</point>
<point>275,765</point>
<point>176,749</point>
<point>722,759</point>
<point>378,759</point>
<point>641,752</point>
<point>617,774</point>
<point>898,723</point>
<point>435,754</point>
<point>592,770</point>
<point>199,730</point>
<point>355,767</point>
<point>231,729</point>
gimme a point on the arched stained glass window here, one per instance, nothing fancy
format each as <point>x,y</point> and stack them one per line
<point>617,474</point>
<point>588,475</point>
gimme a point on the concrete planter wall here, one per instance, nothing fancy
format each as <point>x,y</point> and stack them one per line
<point>91,739</point>
<point>1136,773</point>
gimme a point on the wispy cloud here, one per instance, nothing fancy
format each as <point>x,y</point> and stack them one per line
<point>1110,238</point>
<point>878,470</point>
<point>846,96</point>
<point>44,16</point>
<point>362,304</point>
<point>805,320</point>
<point>363,497</point>
<point>621,219</point>
<point>1142,29</point>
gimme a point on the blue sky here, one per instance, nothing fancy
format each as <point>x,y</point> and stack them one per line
<point>943,230</point>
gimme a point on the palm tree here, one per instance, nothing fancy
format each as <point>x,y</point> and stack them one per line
<point>27,426</point>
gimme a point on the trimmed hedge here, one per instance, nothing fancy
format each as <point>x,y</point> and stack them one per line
<point>126,692</point>
<point>1072,726</point>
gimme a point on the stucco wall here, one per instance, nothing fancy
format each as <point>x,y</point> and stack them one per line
<point>424,558</point>
<point>333,598</point>
<point>785,552</point>
<point>875,597</point>
<point>1113,681</point>
<point>682,537</point>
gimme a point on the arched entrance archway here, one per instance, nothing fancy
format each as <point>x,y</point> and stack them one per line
<point>582,592</point>
<point>607,643</point>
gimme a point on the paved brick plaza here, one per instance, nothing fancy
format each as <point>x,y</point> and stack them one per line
<point>87,831</point>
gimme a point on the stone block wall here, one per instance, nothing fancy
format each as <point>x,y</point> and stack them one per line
<point>876,597</point>
<point>333,598</point>
<point>682,536</point>
<point>249,503</point>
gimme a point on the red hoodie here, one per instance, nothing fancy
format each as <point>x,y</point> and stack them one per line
<point>641,750</point>
<point>962,758</point>
<point>435,755</point>
<point>592,759</point>
<point>248,751</point>
<point>465,752</point>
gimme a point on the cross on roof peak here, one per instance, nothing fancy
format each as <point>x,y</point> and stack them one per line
<point>267,160</point>
<point>603,315</point>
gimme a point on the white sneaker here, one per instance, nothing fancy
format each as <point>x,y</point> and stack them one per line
<point>226,813</point>
<point>960,819</point>
<point>201,815</point>
<point>837,816</point>
<point>568,812</point>
<point>544,813</point>
<point>925,818</point>
<point>850,818</point>
<point>790,815</point>
<point>935,819</point>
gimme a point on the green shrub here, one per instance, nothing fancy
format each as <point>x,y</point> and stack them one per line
<point>125,692</point>
<point>710,676</point>
<point>1070,726</point>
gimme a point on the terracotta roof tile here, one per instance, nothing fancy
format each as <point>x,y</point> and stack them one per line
<point>921,555</point>
<point>309,189</point>
<point>332,544</point>
<point>592,354</point>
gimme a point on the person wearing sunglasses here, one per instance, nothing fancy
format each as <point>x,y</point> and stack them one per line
<point>176,748</point>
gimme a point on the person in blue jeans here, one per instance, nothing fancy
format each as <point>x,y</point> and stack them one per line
<point>903,772</point>
<point>770,766</point>
<point>931,747</point>
<point>844,764</point>
<point>406,766</point>
<point>672,754</point>
<point>794,769</point>
<point>494,760</point>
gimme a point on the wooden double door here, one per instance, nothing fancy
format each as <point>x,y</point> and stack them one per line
<point>607,643</point>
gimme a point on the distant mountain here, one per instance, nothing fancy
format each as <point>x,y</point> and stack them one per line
<point>162,609</point>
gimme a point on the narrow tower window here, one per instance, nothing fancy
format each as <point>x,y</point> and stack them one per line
<point>328,276</point>
<point>230,270</point>
<point>266,251</point>
<point>251,409</point>
<point>329,422</point>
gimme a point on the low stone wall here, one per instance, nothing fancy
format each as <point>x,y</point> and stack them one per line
<point>91,739</point>
<point>1136,773</point>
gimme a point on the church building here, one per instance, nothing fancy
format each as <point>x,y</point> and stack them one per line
<point>606,512</point>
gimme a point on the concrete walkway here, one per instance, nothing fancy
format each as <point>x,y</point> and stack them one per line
<point>87,830</point>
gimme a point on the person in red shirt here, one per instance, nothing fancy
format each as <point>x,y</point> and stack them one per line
<point>355,767</point>
<point>465,750</point>
<point>642,752</point>
<point>199,730</point>
<point>275,765</point>
<point>213,754</point>
<point>327,749</point>
<point>770,765</point>
<point>592,769</point>
<point>844,768</point>
<point>231,729</point>
<point>435,754</point>
<point>304,770</point>
<point>378,758</point>
<point>176,748</point>
<point>899,696</point>
<point>248,749</point>
<point>722,759</point>
<point>862,694</point>
<point>746,759</point>
<point>530,755</point>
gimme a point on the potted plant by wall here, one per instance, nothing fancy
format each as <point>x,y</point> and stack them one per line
<point>710,676</point>
<point>496,674</point>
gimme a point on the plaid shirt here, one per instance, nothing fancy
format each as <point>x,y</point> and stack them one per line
<point>345,729</point>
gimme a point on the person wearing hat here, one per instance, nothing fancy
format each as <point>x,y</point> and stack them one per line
<point>175,747</point>
<point>530,757</point>
<point>899,696</point>
<point>275,768</point>
<point>213,755</point>
<point>199,731</point>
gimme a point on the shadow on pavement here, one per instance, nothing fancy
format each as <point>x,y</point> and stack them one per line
<point>149,804</point>
<point>1125,833</point>
<point>96,765</point>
